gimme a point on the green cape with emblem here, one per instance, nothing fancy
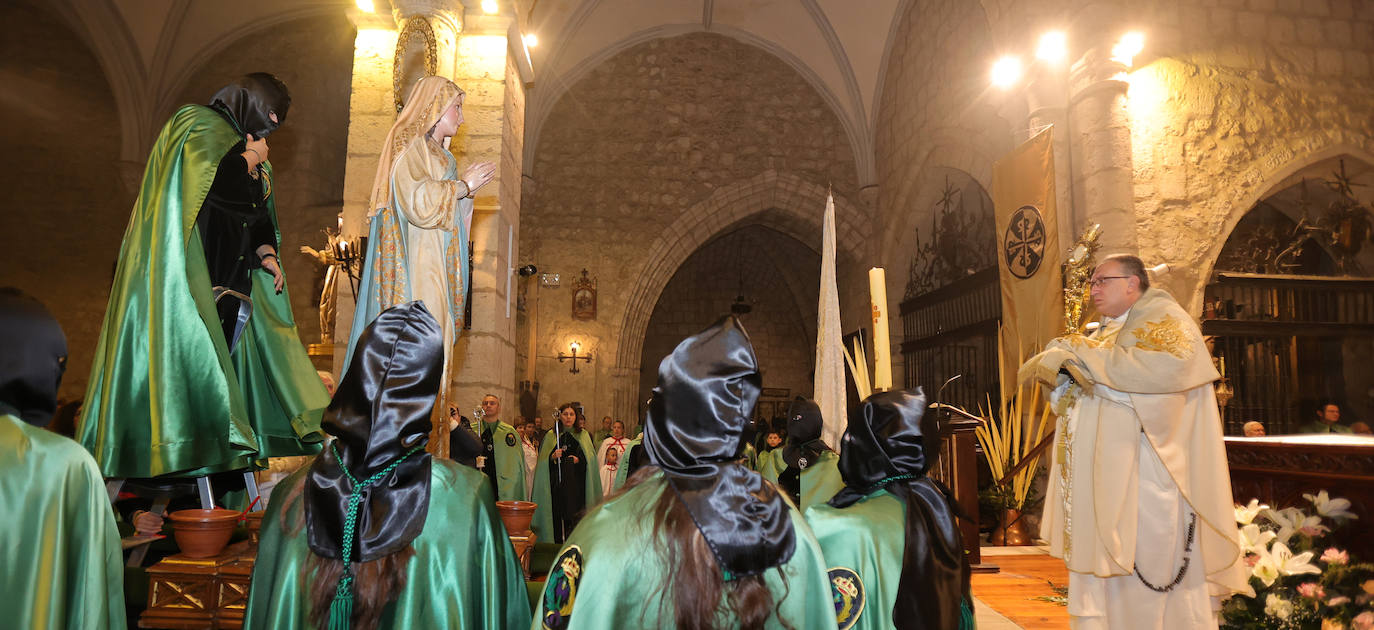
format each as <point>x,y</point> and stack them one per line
<point>60,561</point>
<point>863,546</point>
<point>543,515</point>
<point>464,573</point>
<point>165,396</point>
<point>609,574</point>
<point>510,461</point>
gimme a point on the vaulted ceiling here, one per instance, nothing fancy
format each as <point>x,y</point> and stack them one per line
<point>150,48</point>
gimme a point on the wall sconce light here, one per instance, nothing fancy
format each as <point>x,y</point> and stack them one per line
<point>574,347</point>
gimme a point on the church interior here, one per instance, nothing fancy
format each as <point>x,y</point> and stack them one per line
<point>661,163</point>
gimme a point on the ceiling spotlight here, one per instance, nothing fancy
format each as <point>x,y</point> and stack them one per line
<point>531,40</point>
<point>490,7</point>
<point>1006,72</point>
<point>365,6</point>
<point>1130,45</point>
<point>1053,47</point>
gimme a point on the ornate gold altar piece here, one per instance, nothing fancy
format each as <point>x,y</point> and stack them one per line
<point>1078,270</point>
<point>200,592</point>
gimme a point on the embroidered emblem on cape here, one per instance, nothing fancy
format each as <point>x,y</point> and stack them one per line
<point>802,463</point>
<point>510,439</point>
<point>1023,245</point>
<point>1165,335</point>
<point>560,590</point>
<point>847,592</point>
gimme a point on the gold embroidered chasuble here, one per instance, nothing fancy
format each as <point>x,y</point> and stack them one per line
<point>1151,375</point>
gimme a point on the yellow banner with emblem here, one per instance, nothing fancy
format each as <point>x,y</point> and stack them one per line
<point>1028,261</point>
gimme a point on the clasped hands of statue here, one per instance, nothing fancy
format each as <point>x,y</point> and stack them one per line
<point>478,175</point>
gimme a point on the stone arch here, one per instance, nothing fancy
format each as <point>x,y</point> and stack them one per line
<point>786,202</point>
<point>1278,176</point>
<point>899,223</point>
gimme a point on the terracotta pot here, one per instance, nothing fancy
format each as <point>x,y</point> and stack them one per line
<point>203,533</point>
<point>1010,530</point>
<point>516,515</point>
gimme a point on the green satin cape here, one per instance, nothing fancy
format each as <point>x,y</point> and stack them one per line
<point>821,480</point>
<point>510,461</point>
<point>543,515</point>
<point>620,577</point>
<point>165,396</point>
<point>866,538</point>
<point>60,559</point>
<point>464,573</point>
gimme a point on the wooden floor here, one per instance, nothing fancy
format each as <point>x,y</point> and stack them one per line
<point>1023,577</point>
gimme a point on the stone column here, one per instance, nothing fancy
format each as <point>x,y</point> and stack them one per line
<point>371,111</point>
<point>1047,102</point>
<point>494,109</point>
<point>1100,140</point>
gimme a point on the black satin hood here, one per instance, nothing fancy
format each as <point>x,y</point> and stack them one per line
<point>33,357</point>
<point>251,99</point>
<point>887,437</point>
<point>380,411</point>
<point>706,390</point>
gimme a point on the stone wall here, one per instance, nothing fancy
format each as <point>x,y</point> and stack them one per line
<point>699,123</point>
<point>66,208</point>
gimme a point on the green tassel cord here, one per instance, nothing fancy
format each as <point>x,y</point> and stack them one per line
<point>341,610</point>
<point>966,620</point>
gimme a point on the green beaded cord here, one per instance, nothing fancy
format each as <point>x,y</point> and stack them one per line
<point>341,610</point>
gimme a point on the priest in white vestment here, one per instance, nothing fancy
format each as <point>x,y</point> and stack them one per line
<point>1139,503</point>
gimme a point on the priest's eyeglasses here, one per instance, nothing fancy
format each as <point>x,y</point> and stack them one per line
<point>1097,282</point>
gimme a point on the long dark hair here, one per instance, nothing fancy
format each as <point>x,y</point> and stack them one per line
<point>375,583</point>
<point>693,580</point>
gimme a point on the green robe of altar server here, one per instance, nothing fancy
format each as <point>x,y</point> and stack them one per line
<point>165,395</point>
<point>863,546</point>
<point>509,460</point>
<point>614,550</point>
<point>623,471</point>
<point>486,590</point>
<point>821,480</point>
<point>543,515</point>
<point>769,464</point>
<point>60,558</point>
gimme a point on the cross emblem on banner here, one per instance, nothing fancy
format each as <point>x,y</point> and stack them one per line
<point>1023,245</point>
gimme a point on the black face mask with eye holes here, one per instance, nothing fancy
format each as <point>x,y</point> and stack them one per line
<point>250,102</point>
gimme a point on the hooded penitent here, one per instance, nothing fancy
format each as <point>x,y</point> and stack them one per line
<point>250,102</point>
<point>804,445</point>
<point>706,390</point>
<point>169,392</point>
<point>890,445</point>
<point>380,416</point>
<point>33,360</point>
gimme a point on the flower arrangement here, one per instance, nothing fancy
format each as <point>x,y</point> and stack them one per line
<point>1299,580</point>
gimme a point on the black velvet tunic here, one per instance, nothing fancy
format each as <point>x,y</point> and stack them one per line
<point>233,224</point>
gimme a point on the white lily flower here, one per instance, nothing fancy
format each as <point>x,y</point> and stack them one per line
<point>1292,521</point>
<point>1252,538</point>
<point>1289,564</point>
<point>1331,508</point>
<point>1266,569</point>
<point>1245,514</point>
